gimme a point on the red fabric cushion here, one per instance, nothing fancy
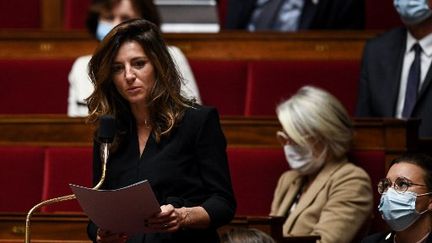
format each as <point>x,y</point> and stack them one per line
<point>381,15</point>
<point>221,84</point>
<point>34,86</point>
<point>255,173</point>
<point>222,10</point>
<point>270,82</point>
<point>21,176</point>
<point>20,14</point>
<point>64,166</point>
<point>373,162</point>
<point>75,13</point>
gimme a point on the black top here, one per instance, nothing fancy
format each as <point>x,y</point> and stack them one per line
<point>384,237</point>
<point>188,168</point>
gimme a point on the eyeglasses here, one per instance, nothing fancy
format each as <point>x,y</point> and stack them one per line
<point>283,138</point>
<point>401,185</point>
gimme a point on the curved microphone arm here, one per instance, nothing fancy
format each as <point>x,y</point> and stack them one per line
<point>104,156</point>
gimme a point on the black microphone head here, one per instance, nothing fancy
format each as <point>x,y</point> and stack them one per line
<point>106,128</point>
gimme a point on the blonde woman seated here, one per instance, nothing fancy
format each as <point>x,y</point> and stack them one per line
<point>323,194</point>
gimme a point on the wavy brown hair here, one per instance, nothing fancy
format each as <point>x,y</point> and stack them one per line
<point>165,102</point>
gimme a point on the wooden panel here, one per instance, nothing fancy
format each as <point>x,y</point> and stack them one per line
<point>392,136</point>
<point>71,228</point>
<point>319,45</point>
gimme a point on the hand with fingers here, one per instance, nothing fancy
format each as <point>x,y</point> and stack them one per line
<point>168,220</point>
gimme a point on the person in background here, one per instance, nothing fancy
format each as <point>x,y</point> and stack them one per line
<point>162,136</point>
<point>395,79</point>
<point>103,15</point>
<point>406,201</point>
<point>323,194</point>
<point>246,235</point>
<point>293,15</point>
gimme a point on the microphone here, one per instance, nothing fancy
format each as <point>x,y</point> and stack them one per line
<point>106,136</point>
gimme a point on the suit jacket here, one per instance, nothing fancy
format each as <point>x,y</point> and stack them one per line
<point>335,206</point>
<point>386,237</point>
<point>188,168</point>
<point>380,80</point>
<point>327,14</point>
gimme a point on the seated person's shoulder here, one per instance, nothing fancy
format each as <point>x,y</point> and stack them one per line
<point>83,60</point>
<point>351,172</point>
<point>382,40</point>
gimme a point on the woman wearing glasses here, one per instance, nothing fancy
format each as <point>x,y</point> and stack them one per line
<point>406,201</point>
<point>323,194</point>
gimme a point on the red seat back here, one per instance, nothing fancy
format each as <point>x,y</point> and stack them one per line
<point>64,165</point>
<point>255,173</point>
<point>20,14</point>
<point>34,86</point>
<point>222,84</point>
<point>21,177</point>
<point>75,13</point>
<point>270,82</point>
<point>373,162</point>
<point>381,15</point>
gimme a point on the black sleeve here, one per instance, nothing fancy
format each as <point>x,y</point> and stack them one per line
<point>363,101</point>
<point>97,172</point>
<point>211,152</point>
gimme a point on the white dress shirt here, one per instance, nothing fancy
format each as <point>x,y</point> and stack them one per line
<point>426,60</point>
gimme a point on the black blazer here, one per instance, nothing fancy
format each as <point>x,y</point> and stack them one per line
<point>327,14</point>
<point>380,80</point>
<point>384,237</point>
<point>188,168</point>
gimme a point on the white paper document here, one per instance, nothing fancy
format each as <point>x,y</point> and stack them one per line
<point>122,210</point>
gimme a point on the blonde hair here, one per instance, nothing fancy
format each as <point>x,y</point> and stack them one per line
<point>313,115</point>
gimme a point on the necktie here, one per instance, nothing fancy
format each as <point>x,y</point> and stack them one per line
<point>413,82</point>
<point>268,14</point>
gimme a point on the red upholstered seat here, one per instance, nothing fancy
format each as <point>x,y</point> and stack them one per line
<point>222,84</point>
<point>34,86</point>
<point>255,173</point>
<point>20,14</point>
<point>75,13</point>
<point>21,177</point>
<point>270,82</point>
<point>381,15</point>
<point>222,10</point>
<point>64,165</point>
<point>373,162</point>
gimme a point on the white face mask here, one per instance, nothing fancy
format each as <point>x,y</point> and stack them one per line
<point>412,11</point>
<point>303,161</point>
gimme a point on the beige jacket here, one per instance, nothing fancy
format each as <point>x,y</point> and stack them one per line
<point>335,206</point>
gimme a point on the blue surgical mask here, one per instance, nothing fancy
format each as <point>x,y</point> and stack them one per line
<point>398,209</point>
<point>103,29</point>
<point>412,11</point>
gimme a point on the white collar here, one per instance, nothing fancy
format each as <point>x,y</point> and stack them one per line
<point>425,43</point>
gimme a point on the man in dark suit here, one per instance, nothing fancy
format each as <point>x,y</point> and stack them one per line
<point>387,68</point>
<point>313,14</point>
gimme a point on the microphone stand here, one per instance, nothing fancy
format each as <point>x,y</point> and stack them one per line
<point>104,155</point>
